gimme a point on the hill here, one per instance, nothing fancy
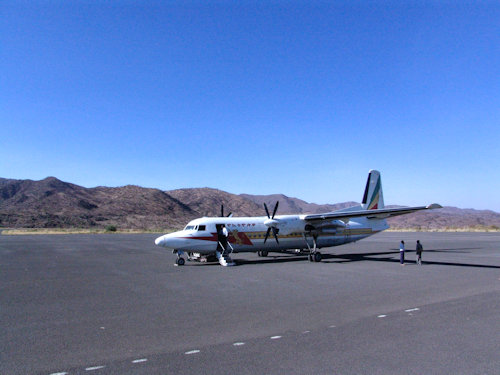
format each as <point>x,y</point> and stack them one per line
<point>448,218</point>
<point>293,205</point>
<point>52,203</point>
<point>207,202</point>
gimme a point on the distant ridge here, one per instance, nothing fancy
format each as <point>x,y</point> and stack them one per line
<point>52,203</point>
<point>295,206</point>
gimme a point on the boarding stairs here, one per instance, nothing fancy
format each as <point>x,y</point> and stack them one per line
<point>223,256</point>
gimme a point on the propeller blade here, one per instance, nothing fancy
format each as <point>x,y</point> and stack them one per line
<point>267,234</point>
<point>275,232</point>
<point>267,211</point>
<point>275,209</point>
<point>221,210</point>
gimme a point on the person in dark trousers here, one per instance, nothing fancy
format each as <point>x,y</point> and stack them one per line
<point>419,253</point>
<point>223,237</point>
<point>402,253</point>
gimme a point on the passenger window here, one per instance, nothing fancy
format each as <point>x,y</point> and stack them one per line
<point>202,227</point>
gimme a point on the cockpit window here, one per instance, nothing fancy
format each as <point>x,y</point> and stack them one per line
<point>189,227</point>
<point>202,227</point>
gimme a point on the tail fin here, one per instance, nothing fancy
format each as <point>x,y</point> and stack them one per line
<point>373,197</point>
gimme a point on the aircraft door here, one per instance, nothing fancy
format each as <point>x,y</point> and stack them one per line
<point>222,243</point>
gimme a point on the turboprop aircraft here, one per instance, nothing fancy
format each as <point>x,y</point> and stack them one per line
<point>203,238</point>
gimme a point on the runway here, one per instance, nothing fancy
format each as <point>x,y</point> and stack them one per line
<point>115,304</point>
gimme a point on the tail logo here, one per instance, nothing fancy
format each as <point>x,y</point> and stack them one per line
<point>373,205</point>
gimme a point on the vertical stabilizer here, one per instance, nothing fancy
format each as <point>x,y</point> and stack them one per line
<point>373,197</point>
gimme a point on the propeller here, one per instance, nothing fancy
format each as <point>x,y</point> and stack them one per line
<point>271,223</point>
<point>222,211</point>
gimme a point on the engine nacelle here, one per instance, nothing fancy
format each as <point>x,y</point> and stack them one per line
<point>330,227</point>
<point>290,225</point>
<point>294,224</point>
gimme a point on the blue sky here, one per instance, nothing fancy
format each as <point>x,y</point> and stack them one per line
<point>258,97</point>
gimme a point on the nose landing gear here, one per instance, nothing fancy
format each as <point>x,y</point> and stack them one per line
<point>180,260</point>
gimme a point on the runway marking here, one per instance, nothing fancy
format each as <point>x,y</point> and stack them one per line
<point>305,332</point>
<point>275,337</point>
<point>139,360</point>
<point>332,326</point>
<point>192,352</point>
<point>238,344</point>
<point>381,316</point>
<point>410,310</point>
<point>94,368</point>
<point>59,373</point>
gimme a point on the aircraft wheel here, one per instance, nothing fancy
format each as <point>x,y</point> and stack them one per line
<point>180,261</point>
<point>264,253</point>
<point>317,257</point>
<point>259,253</point>
<point>310,257</point>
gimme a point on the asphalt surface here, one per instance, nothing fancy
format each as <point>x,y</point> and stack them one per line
<point>116,304</point>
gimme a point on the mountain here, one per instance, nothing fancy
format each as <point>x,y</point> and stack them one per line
<point>289,205</point>
<point>448,218</point>
<point>52,203</point>
<point>207,202</point>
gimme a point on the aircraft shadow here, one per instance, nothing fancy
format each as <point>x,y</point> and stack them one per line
<point>281,258</point>
<point>390,257</point>
<point>454,250</point>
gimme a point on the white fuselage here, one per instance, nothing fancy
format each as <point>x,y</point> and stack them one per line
<point>247,234</point>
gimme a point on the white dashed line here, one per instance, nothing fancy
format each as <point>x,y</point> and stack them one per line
<point>139,360</point>
<point>410,310</point>
<point>331,326</point>
<point>275,337</point>
<point>381,316</point>
<point>305,332</point>
<point>94,368</point>
<point>192,352</point>
<point>59,373</point>
<point>238,344</point>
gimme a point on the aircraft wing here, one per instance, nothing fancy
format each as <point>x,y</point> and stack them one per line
<point>370,214</point>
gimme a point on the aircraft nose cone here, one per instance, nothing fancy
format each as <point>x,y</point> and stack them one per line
<point>160,240</point>
<point>171,241</point>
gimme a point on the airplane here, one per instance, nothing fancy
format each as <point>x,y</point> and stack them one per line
<point>203,239</point>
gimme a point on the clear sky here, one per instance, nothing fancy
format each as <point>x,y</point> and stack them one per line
<point>258,97</point>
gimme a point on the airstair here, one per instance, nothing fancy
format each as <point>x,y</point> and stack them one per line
<point>223,257</point>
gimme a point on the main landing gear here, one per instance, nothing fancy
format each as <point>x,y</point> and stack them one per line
<point>314,255</point>
<point>262,253</point>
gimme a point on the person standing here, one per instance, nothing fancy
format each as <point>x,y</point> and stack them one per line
<point>419,252</point>
<point>225,235</point>
<point>402,253</point>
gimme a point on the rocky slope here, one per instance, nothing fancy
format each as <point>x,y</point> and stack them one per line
<point>51,203</point>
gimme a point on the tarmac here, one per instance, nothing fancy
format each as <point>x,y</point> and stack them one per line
<point>116,304</point>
